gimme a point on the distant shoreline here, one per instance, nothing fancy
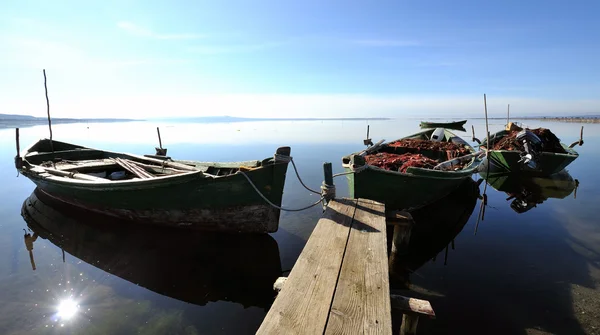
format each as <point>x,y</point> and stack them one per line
<point>15,121</point>
<point>573,119</point>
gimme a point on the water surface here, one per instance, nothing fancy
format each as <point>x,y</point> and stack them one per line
<point>536,272</point>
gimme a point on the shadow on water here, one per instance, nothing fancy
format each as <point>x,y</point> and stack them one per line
<point>435,228</point>
<point>189,266</point>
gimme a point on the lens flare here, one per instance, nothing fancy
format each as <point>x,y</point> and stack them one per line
<point>67,309</point>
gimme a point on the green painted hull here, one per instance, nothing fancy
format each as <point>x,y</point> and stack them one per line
<point>507,161</point>
<point>415,188</point>
<point>194,200</point>
<point>549,162</point>
<point>191,266</point>
<point>401,191</point>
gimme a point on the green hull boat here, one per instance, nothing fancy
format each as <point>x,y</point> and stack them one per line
<point>192,266</point>
<point>414,188</point>
<point>457,125</point>
<point>196,195</point>
<point>509,161</point>
<point>527,191</point>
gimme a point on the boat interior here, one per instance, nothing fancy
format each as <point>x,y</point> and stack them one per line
<point>68,158</point>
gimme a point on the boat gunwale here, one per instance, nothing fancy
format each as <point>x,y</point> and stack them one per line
<point>469,169</point>
<point>450,174</point>
<point>155,181</point>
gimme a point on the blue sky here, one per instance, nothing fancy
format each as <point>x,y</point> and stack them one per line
<point>304,58</point>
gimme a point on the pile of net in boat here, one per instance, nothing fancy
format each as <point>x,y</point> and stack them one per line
<point>452,150</point>
<point>401,163</point>
<point>551,142</point>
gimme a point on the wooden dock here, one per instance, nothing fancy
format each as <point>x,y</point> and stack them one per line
<point>340,282</point>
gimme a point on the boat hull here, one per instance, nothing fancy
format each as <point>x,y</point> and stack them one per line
<point>402,191</point>
<point>225,204</point>
<point>508,161</point>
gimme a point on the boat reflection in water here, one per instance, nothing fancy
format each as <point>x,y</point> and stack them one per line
<point>190,266</point>
<point>526,192</point>
<point>434,229</point>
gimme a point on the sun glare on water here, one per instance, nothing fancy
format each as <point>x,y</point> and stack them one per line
<point>67,309</point>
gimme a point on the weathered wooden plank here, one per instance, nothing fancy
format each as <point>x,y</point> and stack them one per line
<point>398,217</point>
<point>302,305</point>
<point>411,305</point>
<point>362,299</point>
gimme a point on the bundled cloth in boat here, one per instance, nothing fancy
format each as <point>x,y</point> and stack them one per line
<point>551,143</point>
<point>401,163</point>
<point>452,150</point>
<point>413,158</point>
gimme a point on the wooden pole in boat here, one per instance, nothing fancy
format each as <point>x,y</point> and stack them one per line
<point>160,151</point>
<point>18,144</point>
<point>159,140</point>
<point>508,115</point>
<point>18,159</point>
<point>487,154</point>
<point>48,110</point>
<point>487,129</point>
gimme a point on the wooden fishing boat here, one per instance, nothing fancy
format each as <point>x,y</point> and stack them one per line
<point>198,195</point>
<point>527,191</point>
<point>192,266</point>
<point>411,187</point>
<point>536,156</point>
<point>456,125</point>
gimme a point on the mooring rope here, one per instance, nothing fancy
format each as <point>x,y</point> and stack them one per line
<point>288,159</point>
<point>272,204</point>
<point>327,191</point>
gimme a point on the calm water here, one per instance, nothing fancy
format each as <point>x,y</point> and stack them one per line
<point>536,272</point>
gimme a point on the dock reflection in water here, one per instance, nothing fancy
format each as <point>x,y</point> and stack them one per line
<point>434,229</point>
<point>185,265</point>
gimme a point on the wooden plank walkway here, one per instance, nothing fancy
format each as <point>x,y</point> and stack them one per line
<point>340,282</point>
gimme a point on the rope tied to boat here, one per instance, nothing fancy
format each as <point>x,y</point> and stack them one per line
<point>272,204</point>
<point>354,170</point>
<point>327,192</point>
<point>289,159</point>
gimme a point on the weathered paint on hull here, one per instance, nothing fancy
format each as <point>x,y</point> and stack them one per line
<point>227,204</point>
<point>550,163</point>
<point>400,191</point>
<point>235,219</point>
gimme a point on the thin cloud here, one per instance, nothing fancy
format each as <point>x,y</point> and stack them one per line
<point>232,48</point>
<point>136,30</point>
<point>386,43</point>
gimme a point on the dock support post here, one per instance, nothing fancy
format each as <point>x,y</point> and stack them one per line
<point>409,324</point>
<point>403,223</point>
<point>328,188</point>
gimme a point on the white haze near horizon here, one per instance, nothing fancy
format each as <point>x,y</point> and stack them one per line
<point>294,106</point>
